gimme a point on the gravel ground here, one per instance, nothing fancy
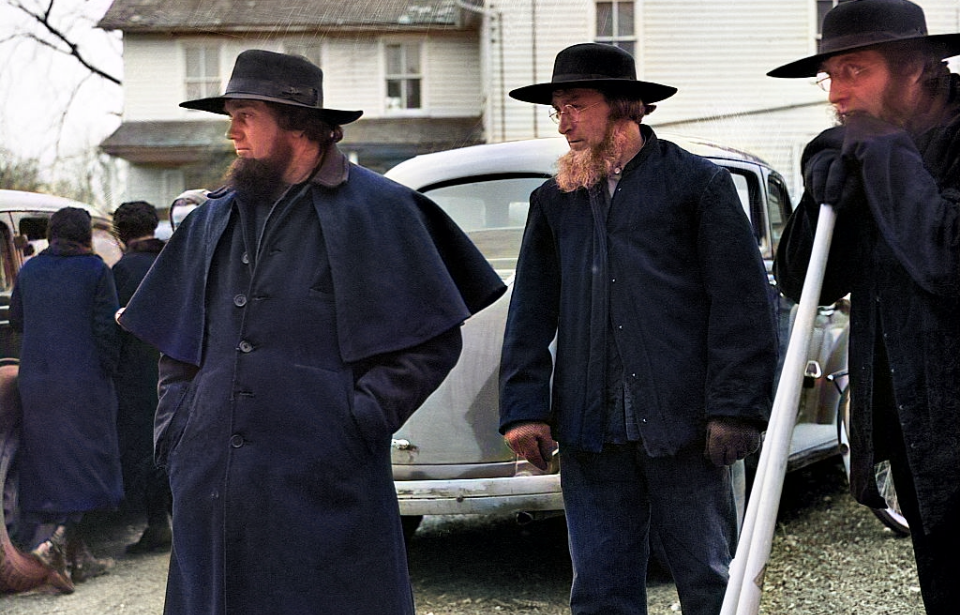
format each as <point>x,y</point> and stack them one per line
<point>829,556</point>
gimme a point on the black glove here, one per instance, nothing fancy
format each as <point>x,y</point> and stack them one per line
<point>829,174</point>
<point>730,439</point>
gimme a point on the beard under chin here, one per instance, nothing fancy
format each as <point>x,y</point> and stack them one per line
<point>256,180</point>
<point>587,168</point>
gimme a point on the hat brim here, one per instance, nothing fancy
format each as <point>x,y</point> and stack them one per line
<point>216,105</point>
<point>948,45</point>
<point>647,91</point>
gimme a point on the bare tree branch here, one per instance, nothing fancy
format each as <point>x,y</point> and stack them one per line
<point>43,18</point>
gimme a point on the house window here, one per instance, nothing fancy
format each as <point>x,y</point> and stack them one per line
<point>202,71</point>
<point>404,76</point>
<point>615,25</point>
<point>823,7</point>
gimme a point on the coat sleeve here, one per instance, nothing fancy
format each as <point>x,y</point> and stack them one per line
<point>391,386</point>
<point>741,331</point>
<point>526,364</point>
<point>920,223</point>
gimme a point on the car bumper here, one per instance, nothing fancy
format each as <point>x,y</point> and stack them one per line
<point>480,495</point>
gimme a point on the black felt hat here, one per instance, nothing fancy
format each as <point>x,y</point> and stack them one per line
<point>596,66</point>
<point>275,77</point>
<point>867,23</point>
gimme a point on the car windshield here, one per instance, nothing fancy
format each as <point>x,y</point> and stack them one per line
<point>492,212</point>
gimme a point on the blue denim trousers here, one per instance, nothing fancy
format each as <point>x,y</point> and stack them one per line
<point>616,498</point>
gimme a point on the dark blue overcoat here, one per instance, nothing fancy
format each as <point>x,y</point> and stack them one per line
<point>288,363</point>
<point>896,251</point>
<point>69,461</point>
<point>674,271</point>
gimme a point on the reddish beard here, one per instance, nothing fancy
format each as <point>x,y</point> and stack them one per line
<point>587,168</point>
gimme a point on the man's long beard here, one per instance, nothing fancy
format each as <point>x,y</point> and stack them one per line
<point>261,180</point>
<point>587,168</point>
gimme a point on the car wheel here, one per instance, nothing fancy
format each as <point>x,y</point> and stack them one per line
<point>891,515</point>
<point>18,571</point>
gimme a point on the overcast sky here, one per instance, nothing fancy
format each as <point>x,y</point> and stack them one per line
<point>49,104</point>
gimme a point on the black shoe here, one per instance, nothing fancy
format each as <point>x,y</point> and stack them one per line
<point>156,537</point>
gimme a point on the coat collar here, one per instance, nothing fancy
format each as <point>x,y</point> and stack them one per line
<point>334,168</point>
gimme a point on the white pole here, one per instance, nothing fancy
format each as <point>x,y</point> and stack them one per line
<point>753,550</point>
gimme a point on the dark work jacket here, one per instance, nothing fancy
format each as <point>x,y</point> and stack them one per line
<point>896,251</point>
<point>287,364</point>
<point>675,271</point>
<point>136,378</point>
<point>64,303</point>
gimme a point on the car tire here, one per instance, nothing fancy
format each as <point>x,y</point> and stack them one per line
<point>891,515</point>
<point>18,571</point>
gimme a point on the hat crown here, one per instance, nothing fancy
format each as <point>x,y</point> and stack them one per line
<point>865,22</point>
<point>593,61</point>
<point>278,76</point>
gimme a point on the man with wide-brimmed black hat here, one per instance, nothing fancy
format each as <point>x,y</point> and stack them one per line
<point>303,314</point>
<point>638,258</point>
<point>891,170</point>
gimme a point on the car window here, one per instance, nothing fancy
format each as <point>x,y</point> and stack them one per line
<point>491,211</point>
<point>32,236</point>
<point>778,207</point>
<point>105,244</point>
<point>748,188</point>
<point>8,265</point>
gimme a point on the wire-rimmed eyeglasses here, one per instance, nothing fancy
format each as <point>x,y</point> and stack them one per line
<point>572,112</point>
<point>845,73</point>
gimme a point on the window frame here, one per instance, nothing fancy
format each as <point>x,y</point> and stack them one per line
<point>627,42</point>
<point>209,85</point>
<point>403,76</point>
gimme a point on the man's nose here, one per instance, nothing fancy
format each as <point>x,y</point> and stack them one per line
<point>837,91</point>
<point>565,123</point>
<point>231,131</point>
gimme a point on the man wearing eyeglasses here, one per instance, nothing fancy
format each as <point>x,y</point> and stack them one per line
<point>638,258</point>
<point>891,171</point>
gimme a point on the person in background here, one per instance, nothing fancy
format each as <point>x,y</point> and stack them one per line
<point>63,303</point>
<point>638,259</point>
<point>186,202</point>
<point>145,485</point>
<point>303,314</point>
<point>891,171</point>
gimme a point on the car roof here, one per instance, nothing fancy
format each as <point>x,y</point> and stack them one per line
<point>18,200</point>
<point>526,157</point>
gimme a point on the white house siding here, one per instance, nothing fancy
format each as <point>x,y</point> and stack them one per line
<point>717,52</point>
<point>352,65</point>
<point>532,33</point>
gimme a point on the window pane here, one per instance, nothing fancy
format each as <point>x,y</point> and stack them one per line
<point>193,58</point>
<point>413,94</point>
<point>211,62</point>
<point>492,213</point>
<point>211,88</point>
<point>625,18</point>
<point>394,59</point>
<point>412,59</point>
<point>627,46</point>
<point>604,19</point>
<point>394,88</point>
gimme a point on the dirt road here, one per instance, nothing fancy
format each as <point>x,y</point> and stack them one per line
<point>829,556</point>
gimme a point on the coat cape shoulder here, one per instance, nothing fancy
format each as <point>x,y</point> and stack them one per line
<point>403,272</point>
